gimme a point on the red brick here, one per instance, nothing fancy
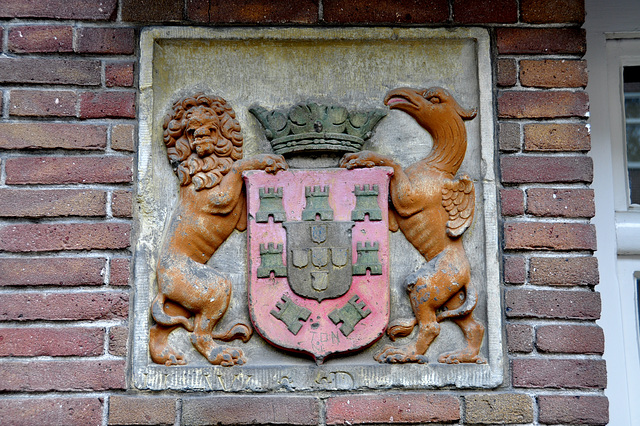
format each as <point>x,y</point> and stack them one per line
<point>559,373</point>
<point>122,137</point>
<point>61,410</point>
<point>512,201</point>
<point>81,72</point>
<point>514,270</point>
<point>509,137</point>
<point>583,305</point>
<point>381,11</point>
<point>530,104</point>
<point>553,73</point>
<point>546,169</point>
<point>64,236</point>
<point>49,341</point>
<point>519,338</point>
<point>64,306</point>
<point>70,169</point>
<point>556,137</point>
<point>542,41</point>
<point>564,271</point>
<point>63,271</point>
<point>59,9</point>
<point>507,74</point>
<point>52,203</point>
<point>108,105</point>
<point>485,11</point>
<point>120,271</point>
<point>152,10</point>
<point>254,11</point>
<point>54,103</point>
<point>118,41</point>
<point>573,409</point>
<point>137,410</point>
<point>552,11</point>
<point>41,38</point>
<point>570,339</point>
<point>498,408</point>
<point>52,135</point>
<point>549,236</point>
<point>576,202</point>
<point>254,409</point>
<point>118,337</point>
<point>122,203</point>
<point>392,408</point>
<point>119,74</point>
<point>42,376</point>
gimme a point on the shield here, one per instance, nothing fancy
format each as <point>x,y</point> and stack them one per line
<point>318,258</point>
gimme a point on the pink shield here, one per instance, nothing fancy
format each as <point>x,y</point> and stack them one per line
<point>318,249</point>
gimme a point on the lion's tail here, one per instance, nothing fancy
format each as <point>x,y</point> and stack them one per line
<point>238,331</point>
<point>177,317</point>
<point>469,305</point>
<point>401,328</point>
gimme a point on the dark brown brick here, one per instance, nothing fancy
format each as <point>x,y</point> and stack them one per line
<point>42,376</point>
<point>530,104</point>
<point>493,409</point>
<point>509,137</point>
<point>570,339</point>
<point>51,203</point>
<point>552,11</point>
<point>41,38</point>
<point>64,306</point>
<point>118,337</point>
<point>507,74</point>
<point>573,409</point>
<point>556,137</point>
<point>242,410</point>
<point>583,305</point>
<point>512,201</point>
<point>119,74</point>
<point>64,236</point>
<point>108,105</point>
<point>120,271</point>
<point>54,103</point>
<point>559,373</point>
<point>575,202</point>
<point>519,338</point>
<point>553,73</point>
<point>253,11</point>
<point>82,72</point>
<point>152,10</point>
<point>49,341</point>
<point>63,271</point>
<point>546,169</point>
<point>514,269</point>
<point>118,41</point>
<point>541,41</point>
<point>138,410</point>
<point>564,271</point>
<point>400,408</point>
<point>70,169</point>
<point>549,236</point>
<point>485,11</point>
<point>61,410</point>
<point>121,203</point>
<point>381,11</point>
<point>122,137</point>
<point>52,135</point>
<point>59,9</point>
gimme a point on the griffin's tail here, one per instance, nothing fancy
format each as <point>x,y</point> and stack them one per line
<point>469,304</point>
<point>401,328</point>
<point>175,316</point>
<point>238,331</point>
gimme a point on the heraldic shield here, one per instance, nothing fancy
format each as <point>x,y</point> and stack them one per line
<point>318,248</point>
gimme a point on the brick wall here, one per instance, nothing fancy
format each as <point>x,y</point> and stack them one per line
<point>67,147</point>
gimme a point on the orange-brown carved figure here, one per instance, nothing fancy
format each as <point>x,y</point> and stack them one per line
<point>433,209</point>
<point>204,145</point>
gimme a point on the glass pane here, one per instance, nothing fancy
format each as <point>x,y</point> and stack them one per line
<point>631,77</point>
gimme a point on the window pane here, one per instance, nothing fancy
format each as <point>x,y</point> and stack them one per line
<point>631,76</point>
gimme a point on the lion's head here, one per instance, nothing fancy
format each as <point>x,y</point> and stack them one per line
<point>203,140</point>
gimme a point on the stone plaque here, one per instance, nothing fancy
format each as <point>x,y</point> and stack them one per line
<point>326,270</point>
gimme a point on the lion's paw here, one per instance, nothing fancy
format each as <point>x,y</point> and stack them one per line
<point>226,356</point>
<point>457,357</point>
<point>400,355</point>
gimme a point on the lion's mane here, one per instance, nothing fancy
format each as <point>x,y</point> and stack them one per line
<point>204,172</point>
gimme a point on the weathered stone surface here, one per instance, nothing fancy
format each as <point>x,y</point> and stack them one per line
<point>493,409</point>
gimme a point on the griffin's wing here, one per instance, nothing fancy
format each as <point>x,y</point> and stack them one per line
<point>459,200</point>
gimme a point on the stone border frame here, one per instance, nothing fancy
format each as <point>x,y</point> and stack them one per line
<point>146,375</point>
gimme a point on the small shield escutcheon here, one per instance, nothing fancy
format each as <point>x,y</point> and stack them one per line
<point>339,256</point>
<point>300,258</point>
<point>318,233</point>
<point>320,280</point>
<point>319,256</point>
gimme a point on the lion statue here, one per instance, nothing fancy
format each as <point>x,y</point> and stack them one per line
<point>204,146</point>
